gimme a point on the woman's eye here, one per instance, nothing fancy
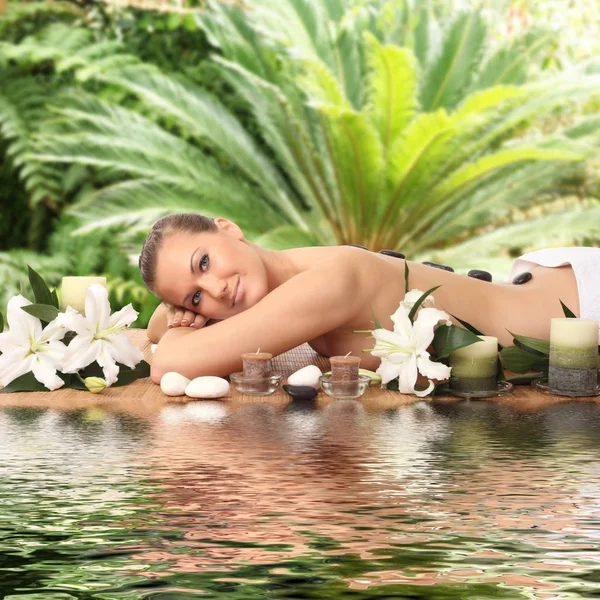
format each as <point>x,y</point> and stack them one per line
<point>204,262</point>
<point>196,299</point>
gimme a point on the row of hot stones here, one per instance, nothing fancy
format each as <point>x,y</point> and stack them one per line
<point>475,273</point>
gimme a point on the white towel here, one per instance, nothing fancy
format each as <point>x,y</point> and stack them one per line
<point>585,262</point>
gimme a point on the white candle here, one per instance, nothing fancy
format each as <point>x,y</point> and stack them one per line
<point>476,360</point>
<point>574,333</point>
<point>74,289</point>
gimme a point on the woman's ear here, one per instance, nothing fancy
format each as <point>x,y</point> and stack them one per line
<point>229,227</point>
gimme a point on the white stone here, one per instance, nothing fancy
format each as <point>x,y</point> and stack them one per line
<point>207,387</point>
<point>173,384</point>
<point>306,376</point>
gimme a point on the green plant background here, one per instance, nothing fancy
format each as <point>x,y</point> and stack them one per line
<point>464,133</point>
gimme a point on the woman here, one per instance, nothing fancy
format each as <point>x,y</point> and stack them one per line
<point>207,273</point>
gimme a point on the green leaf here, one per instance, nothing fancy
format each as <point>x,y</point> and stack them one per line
<point>55,302</point>
<point>393,385</point>
<point>417,304</point>
<point>44,312</point>
<point>520,361</point>
<point>468,326</point>
<point>406,277</point>
<point>526,379</point>
<point>1,322</point>
<point>452,337</point>
<point>41,291</point>
<point>568,312</point>
<point>541,347</point>
<point>127,376</point>
<point>28,383</point>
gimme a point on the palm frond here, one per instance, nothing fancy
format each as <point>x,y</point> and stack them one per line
<point>357,152</point>
<point>451,72</point>
<point>392,85</point>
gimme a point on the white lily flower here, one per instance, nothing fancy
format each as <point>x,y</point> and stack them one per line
<point>27,347</point>
<point>411,297</point>
<point>100,336</point>
<point>403,352</point>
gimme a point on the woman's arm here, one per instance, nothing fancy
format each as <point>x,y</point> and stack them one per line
<point>306,306</point>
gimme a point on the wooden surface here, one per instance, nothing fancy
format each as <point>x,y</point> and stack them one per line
<point>143,397</point>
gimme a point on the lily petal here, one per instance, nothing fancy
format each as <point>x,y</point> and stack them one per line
<point>123,351</point>
<point>408,376</point>
<point>424,326</point>
<point>388,371</point>
<point>124,317</point>
<point>9,340</point>
<point>402,324</point>
<point>426,391</point>
<point>14,364</point>
<point>44,370</point>
<point>21,323</point>
<point>108,364</point>
<point>71,320</point>
<point>387,341</point>
<point>430,369</point>
<point>97,306</point>
<point>82,351</point>
<point>411,297</point>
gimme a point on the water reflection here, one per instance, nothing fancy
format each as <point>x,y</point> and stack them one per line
<point>330,499</point>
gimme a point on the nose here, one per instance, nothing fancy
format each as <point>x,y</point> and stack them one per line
<point>217,288</point>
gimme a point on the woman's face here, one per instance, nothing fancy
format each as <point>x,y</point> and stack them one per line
<point>217,275</point>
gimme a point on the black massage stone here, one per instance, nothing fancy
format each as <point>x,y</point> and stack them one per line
<point>522,278</point>
<point>358,246</point>
<point>300,392</point>
<point>443,267</point>
<point>392,253</point>
<point>478,274</point>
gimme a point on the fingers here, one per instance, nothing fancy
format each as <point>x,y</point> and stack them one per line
<point>180,317</point>
<point>199,321</point>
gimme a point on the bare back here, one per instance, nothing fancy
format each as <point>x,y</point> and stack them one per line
<point>494,308</point>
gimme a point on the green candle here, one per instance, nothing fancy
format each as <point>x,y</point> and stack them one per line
<point>474,367</point>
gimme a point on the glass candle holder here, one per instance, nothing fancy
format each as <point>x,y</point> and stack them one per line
<point>74,289</point>
<point>573,355</point>
<point>262,386</point>
<point>344,388</point>
<point>475,367</point>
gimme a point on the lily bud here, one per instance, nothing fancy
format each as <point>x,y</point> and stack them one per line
<point>95,384</point>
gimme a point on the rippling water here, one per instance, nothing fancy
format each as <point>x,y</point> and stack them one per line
<point>469,500</point>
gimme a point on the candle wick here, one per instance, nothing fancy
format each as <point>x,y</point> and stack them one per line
<point>349,353</point>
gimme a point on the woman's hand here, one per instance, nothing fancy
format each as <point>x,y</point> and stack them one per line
<point>180,317</point>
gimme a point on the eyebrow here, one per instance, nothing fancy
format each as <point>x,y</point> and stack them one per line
<point>192,272</point>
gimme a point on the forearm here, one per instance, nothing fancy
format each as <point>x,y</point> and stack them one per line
<point>157,326</point>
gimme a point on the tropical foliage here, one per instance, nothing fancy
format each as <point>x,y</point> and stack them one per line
<point>355,147</point>
<point>385,123</point>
